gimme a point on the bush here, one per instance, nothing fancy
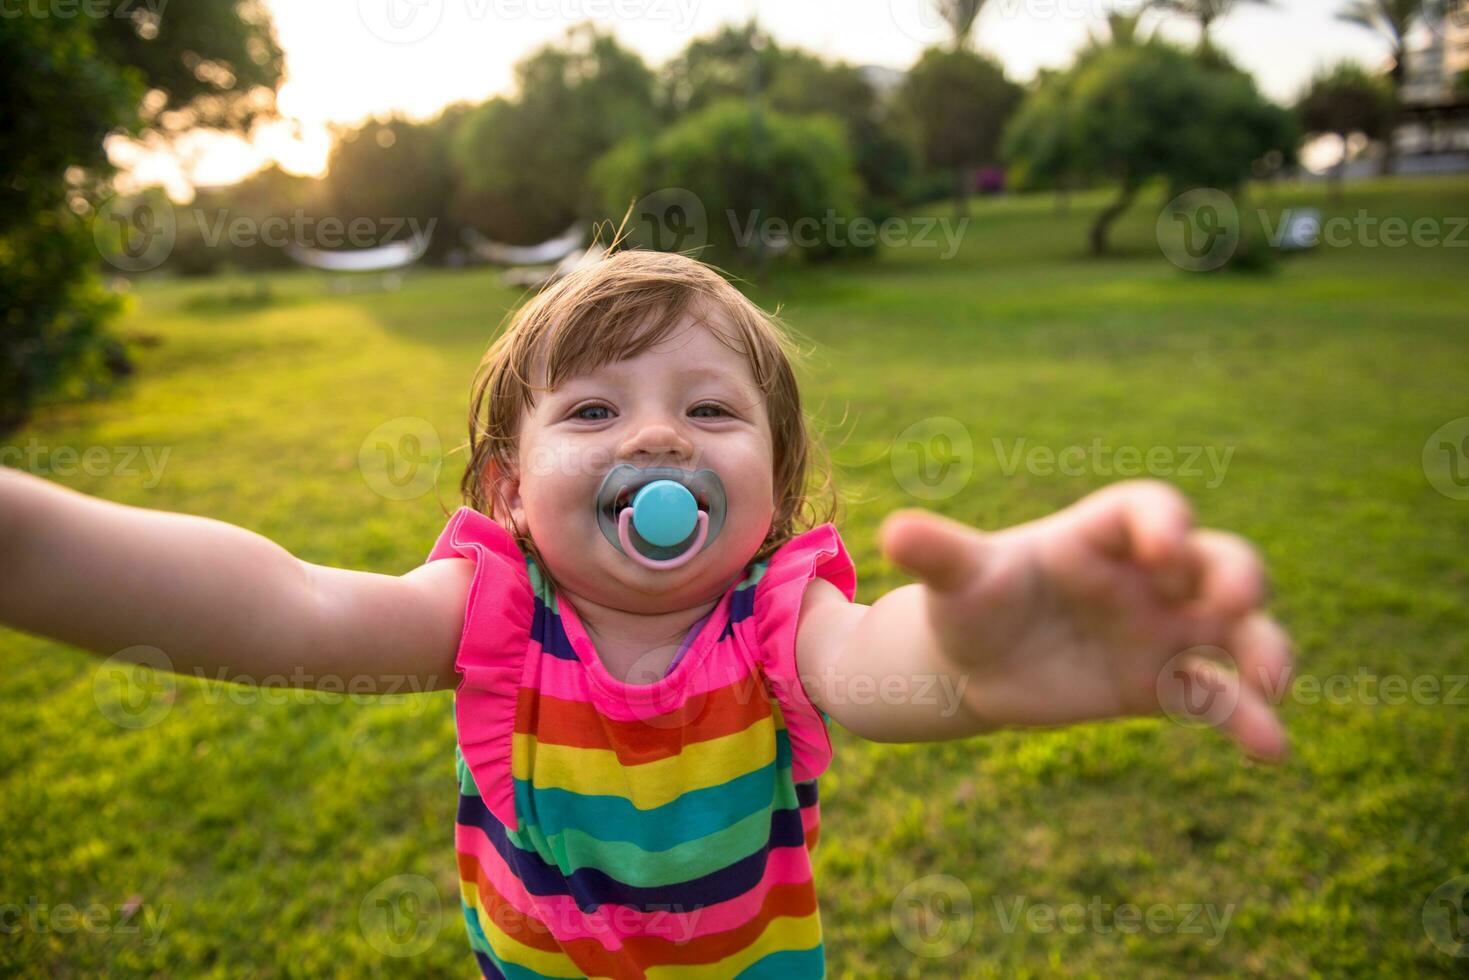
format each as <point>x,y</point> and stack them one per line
<point>752,172</point>
<point>59,101</point>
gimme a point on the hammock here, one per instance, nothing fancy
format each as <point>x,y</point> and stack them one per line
<point>542,275</point>
<point>394,255</point>
<point>551,250</point>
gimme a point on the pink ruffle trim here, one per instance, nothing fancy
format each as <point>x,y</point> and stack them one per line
<point>491,656</point>
<point>778,595</point>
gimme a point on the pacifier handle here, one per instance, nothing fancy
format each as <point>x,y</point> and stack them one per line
<point>624,525</point>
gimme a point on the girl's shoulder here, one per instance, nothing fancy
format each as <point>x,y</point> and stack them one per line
<point>817,552</point>
<point>470,534</point>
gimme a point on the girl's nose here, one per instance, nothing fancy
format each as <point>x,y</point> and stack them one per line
<point>656,442</point>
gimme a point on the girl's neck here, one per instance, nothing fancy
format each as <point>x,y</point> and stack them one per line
<point>610,628</point>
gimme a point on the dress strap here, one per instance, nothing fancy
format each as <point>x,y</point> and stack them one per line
<point>778,596</point>
<point>492,652</point>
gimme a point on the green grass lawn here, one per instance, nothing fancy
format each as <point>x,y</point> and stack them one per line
<point>248,832</point>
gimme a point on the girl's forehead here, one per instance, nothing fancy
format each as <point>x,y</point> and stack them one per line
<point>693,346</point>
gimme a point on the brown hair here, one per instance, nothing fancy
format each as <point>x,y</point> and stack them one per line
<point>615,309</point>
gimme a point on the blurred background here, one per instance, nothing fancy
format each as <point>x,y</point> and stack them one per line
<point>251,253</point>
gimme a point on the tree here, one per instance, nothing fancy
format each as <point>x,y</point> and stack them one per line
<point>1390,20</point>
<point>203,247</point>
<point>523,161</point>
<point>1041,140</point>
<point>1342,101</point>
<point>1135,113</point>
<point>398,169</point>
<point>803,84</point>
<point>66,82</point>
<point>736,62</point>
<point>207,65</point>
<point>743,62</point>
<point>754,173</point>
<point>1206,12</point>
<point>1123,29</point>
<point>1042,124</point>
<point>960,15</point>
<point>959,102</point>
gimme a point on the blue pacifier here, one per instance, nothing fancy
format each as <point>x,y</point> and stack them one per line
<point>664,513</point>
<point>660,516</point>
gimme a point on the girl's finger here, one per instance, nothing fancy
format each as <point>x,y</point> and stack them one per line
<point>1143,520</point>
<point>1207,694</point>
<point>1261,650</point>
<point>941,551</point>
<point>1225,576</point>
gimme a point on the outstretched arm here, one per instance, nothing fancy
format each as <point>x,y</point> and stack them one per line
<point>216,599</point>
<point>1114,606</point>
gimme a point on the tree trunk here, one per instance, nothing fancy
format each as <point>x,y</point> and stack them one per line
<point>1334,176</point>
<point>1109,214</point>
<point>1389,148</point>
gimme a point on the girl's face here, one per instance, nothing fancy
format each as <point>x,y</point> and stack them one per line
<point>688,401</point>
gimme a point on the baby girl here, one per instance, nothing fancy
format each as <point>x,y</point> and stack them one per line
<point>647,619</point>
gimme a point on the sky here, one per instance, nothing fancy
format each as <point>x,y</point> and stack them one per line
<point>348,60</point>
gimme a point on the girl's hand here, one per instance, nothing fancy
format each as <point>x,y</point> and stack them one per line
<point>1100,610</point>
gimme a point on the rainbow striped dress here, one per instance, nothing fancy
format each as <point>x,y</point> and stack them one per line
<point>608,829</point>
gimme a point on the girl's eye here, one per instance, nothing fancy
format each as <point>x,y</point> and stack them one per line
<point>580,413</point>
<point>708,405</point>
